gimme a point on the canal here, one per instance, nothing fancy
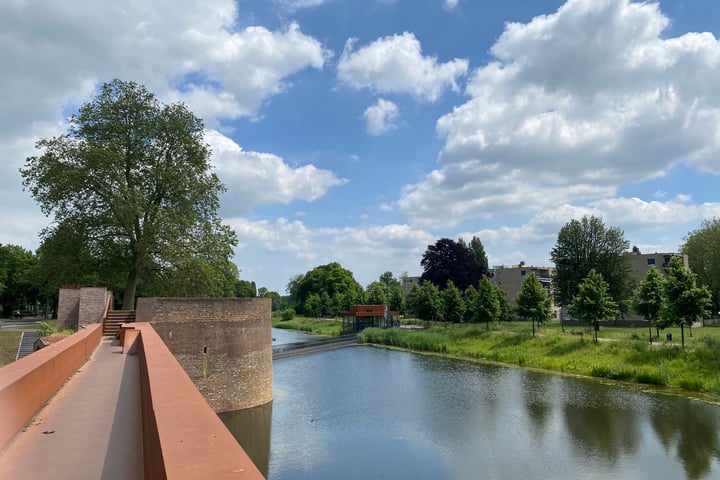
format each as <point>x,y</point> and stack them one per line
<point>366,413</point>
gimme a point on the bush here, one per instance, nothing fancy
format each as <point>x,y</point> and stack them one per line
<point>45,328</point>
<point>287,314</point>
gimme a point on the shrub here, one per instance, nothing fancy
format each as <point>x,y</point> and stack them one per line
<point>45,328</point>
<point>287,314</point>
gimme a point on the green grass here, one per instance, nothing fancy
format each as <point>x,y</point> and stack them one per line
<point>9,343</point>
<point>622,353</point>
<point>315,326</point>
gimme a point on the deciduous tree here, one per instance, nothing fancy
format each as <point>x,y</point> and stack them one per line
<point>683,301</point>
<point>424,301</point>
<point>593,302</point>
<point>453,306</point>
<point>132,178</point>
<point>702,246</point>
<point>487,306</point>
<point>330,279</point>
<point>648,297</point>
<point>450,260</point>
<point>533,301</point>
<point>584,245</point>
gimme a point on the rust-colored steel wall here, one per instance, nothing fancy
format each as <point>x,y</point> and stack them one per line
<point>224,345</point>
<point>183,438</point>
<point>27,384</point>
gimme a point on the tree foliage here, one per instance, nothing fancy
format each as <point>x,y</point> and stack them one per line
<point>19,282</point>
<point>424,301</point>
<point>387,290</point>
<point>584,245</point>
<point>132,180</point>
<point>450,260</point>
<point>533,301</point>
<point>452,303</point>
<point>477,250</point>
<point>593,302</point>
<point>487,306</point>
<point>683,301</point>
<point>331,281</point>
<point>702,246</point>
<point>648,297</point>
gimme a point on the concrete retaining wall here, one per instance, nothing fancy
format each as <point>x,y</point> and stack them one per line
<point>27,384</point>
<point>224,345</point>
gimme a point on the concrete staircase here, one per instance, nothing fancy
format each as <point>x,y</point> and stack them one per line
<point>27,340</point>
<point>115,318</point>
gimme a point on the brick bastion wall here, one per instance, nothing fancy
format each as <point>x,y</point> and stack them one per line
<point>224,345</point>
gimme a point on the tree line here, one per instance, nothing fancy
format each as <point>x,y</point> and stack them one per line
<point>133,205</point>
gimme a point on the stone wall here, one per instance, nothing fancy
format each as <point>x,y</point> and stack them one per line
<point>79,306</point>
<point>68,308</point>
<point>224,345</point>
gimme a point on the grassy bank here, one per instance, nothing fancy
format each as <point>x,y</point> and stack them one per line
<point>316,326</point>
<point>9,343</point>
<point>621,353</point>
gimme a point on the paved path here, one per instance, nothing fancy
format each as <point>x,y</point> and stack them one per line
<point>91,429</point>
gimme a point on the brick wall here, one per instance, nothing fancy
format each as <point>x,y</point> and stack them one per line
<point>224,345</point>
<point>68,308</point>
<point>92,305</point>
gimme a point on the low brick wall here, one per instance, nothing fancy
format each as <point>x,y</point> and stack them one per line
<point>224,345</point>
<point>183,438</point>
<point>27,384</point>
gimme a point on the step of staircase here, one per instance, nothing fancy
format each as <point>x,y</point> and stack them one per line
<point>115,318</point>
<point>27,340</point>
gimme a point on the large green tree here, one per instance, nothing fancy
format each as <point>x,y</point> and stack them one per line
<point>648,297</point>
<point>584,245</point>
<point>702,246</point>
<point>331,281</point>
<point>593,301</point>
<point>533,301</point>
<point>477,250</point>
<point>132,178</point>
<point>683,301</point>
<point>19,283</point>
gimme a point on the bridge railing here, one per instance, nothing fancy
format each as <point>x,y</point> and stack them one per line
<point>28,383</point>
<point>183,438</point>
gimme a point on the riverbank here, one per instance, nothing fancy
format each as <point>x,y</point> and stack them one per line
<point>621,354</point>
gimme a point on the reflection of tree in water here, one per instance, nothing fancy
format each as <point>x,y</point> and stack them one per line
<point>691,429</point>
<point>537,400</point>
<point>602,425</point>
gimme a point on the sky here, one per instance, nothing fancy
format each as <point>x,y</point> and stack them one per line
<point>361,132</point>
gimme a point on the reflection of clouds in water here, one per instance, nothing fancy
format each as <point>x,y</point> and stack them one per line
<point>360,412</point>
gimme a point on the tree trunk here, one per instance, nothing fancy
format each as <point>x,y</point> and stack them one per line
<point>682,334</point>
<point>533,325</point>
<point>130,288</point>
<point>650,330</point>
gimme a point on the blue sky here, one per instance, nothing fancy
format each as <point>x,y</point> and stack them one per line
<point>362,132</point>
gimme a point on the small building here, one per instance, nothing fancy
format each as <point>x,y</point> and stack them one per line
<point>359,317</point>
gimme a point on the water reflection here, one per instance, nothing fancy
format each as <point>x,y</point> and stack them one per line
<point>364,412</point>
<point>251,428</point>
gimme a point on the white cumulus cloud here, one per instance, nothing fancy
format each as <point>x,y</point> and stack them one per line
<point>396,64</point>
<point>380,117</point>
<point>575,104</point>
<point>255,178</point>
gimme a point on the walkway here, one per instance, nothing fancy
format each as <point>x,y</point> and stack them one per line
<point>92,428</point>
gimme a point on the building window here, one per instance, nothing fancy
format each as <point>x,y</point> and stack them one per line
<point>651,261</point>
<point>522,272</point>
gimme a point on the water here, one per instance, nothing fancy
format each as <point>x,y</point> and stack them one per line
<point>366,413</point>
